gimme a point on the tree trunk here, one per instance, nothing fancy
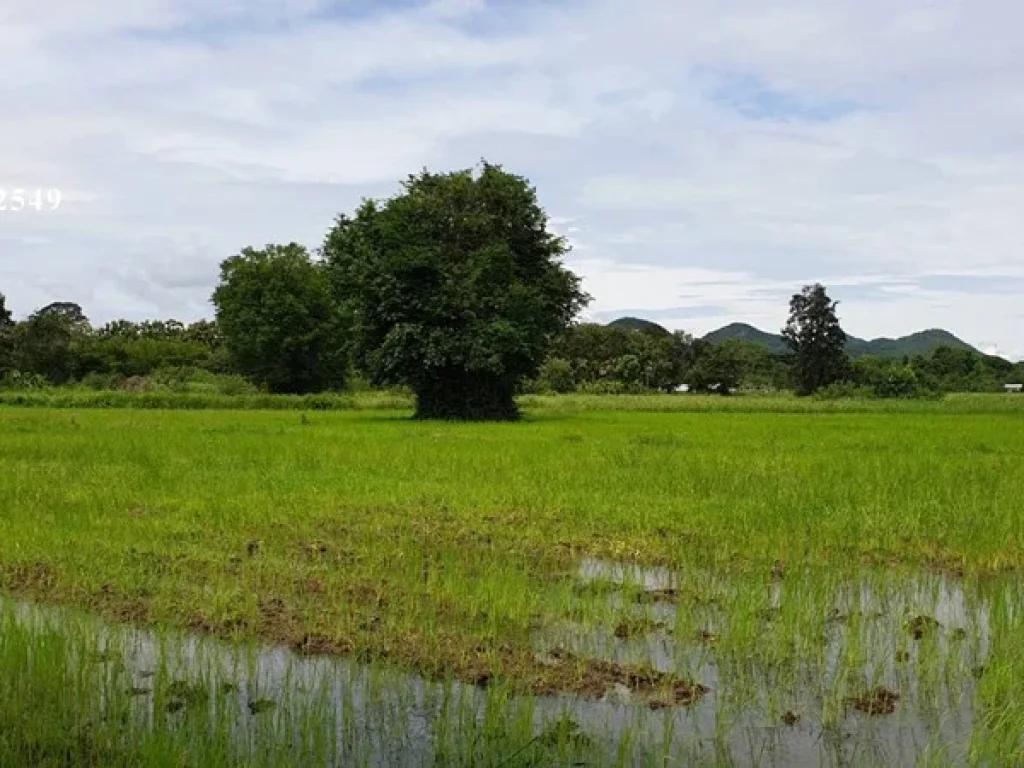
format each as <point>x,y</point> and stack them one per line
<point>467,398</point>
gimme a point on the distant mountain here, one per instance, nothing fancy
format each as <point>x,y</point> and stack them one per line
<point>639,324</point>
<point>921,343</point>
<point>745,332</point>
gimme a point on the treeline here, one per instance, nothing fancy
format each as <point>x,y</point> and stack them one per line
<point>453,289</point>
<point>57,345</point>
<point>944,370</point>
<point>608,359</point>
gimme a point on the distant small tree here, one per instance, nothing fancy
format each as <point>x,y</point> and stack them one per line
<point>456,289</point>
<point>683,353</point>
<point>6,318</point>
<point>280,321</point>
<point>816,340</point>
<point>49,341</point>
<point>719,368</point>
<point>69,313</point>
<point>6,337</point>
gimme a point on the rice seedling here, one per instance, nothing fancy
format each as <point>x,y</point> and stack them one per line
<point>776,582</point>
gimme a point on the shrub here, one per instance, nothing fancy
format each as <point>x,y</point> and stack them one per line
<point>613,387</point>
<point>556,376</point>
<point>843,390</point>
<point>102,381</point>
<point>18,381</point>
<point>897,381</point>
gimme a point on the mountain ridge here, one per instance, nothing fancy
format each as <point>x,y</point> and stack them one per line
<point>920,343</point>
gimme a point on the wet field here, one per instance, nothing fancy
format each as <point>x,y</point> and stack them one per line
<point>599,587</point>
<point>888,676</point>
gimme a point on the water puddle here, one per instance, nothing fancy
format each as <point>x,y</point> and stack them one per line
<point>880,671</point>
<point>876,672</point>
<point>362,714</point>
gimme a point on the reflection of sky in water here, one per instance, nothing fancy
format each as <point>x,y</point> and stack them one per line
<point>877,609</point>
<point>392,717</point>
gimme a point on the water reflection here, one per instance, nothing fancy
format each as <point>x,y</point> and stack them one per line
<point>786,703</point>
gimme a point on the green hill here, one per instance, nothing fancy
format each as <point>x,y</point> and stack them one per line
<point>744,332</point>
<point>639,324</point>
<point>921,343</point>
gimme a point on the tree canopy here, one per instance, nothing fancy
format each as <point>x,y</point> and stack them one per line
<point>816,339</point>
<point>455,288</point>
<point>67,312</point>
<point>49,341</point>
<point>279,320</point>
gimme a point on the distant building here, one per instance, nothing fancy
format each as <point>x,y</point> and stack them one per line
<point>1017,388</point>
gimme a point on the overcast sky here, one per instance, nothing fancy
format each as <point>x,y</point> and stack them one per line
<point>706,159</point>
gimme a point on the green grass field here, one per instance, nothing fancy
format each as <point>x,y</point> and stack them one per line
<point>455,550</point>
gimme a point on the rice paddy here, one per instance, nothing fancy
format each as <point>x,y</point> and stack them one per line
<point>612,581</point>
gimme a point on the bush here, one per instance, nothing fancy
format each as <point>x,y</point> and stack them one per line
<point>613,387</point>
<point>17,380</point>
<point>897,382</point>
<point>102,381</point>
<point>199,381</point>
<point>356,382</point>
<point>556,376</point>
<point>844,390</point>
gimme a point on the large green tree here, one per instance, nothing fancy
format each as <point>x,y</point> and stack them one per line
<point>816,340</point>
<point>456,289</point>
<point>279,320</point>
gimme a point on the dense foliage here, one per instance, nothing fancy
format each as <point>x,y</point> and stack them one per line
<point>455,288</point>
<point>609,358</point>
<point>279,320</point>
<point>173,356</point>
<point>817,341</point>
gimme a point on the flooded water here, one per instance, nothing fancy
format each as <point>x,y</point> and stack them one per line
<point>874,637</point>
<point>921,641</point>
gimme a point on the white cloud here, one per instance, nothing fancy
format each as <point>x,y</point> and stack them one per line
<point>705,156</point>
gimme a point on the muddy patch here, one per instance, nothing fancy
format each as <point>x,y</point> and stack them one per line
<point>598,678</point>
<point>919,626</point>
<point>637,626</point>
<point>879,701</point>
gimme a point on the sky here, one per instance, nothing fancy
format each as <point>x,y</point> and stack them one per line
<point>705,160</point>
